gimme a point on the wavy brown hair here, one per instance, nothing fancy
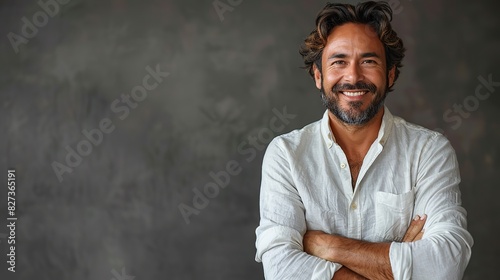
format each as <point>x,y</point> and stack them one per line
<point>377,15</point>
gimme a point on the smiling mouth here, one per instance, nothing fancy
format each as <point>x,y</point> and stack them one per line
<point>354,93</point>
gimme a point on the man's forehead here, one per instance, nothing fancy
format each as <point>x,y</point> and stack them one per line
<point>354,37</point>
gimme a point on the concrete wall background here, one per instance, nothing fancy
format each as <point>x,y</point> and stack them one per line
<point>118,208</point>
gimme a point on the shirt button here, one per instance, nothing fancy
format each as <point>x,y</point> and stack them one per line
<point>354,206</point>
<point>342,165</point>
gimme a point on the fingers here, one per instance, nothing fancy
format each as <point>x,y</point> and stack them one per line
<point>415,230</point>
<point>419,236</point>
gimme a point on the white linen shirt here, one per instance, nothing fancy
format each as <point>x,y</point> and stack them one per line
<point>408,171</point>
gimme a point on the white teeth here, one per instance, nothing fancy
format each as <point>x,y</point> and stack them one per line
<point>356,93</point>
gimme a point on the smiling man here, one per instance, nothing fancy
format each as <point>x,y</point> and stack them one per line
<point>360,194</point>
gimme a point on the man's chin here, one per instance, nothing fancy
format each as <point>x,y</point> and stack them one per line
<point>356,110</point>
<point>354,116</point>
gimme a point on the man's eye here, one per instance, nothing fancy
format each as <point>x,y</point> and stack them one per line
<point>338,62</point>
<point>369,61</point>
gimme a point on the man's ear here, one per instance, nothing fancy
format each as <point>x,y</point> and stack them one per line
<point>392,76</point>
<point>317,76</point>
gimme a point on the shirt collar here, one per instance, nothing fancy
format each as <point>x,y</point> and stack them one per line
<point>383,134</point>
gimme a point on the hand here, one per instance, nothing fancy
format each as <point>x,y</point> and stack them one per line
<point>415,230</point>
<point>315,243</point>
<point>347,274</point>
<point>360,259</point>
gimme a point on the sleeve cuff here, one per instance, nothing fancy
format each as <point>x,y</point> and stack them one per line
<point>279,236</point>
<point>401,260</point>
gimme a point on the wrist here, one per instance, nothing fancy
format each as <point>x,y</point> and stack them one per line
<point>333,245</point>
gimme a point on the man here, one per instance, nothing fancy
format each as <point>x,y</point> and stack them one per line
<point>360,194</point>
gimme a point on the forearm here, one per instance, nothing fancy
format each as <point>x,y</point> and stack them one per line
<point>345,273</point>
<point>370,260</point>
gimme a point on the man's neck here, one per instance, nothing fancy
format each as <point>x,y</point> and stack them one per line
<point>355,140</point>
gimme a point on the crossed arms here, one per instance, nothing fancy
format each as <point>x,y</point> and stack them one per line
<point>360,259</point>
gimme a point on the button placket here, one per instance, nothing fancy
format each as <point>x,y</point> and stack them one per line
<point>355,219</point>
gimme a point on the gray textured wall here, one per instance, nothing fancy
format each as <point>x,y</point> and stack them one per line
<point>118,207</point>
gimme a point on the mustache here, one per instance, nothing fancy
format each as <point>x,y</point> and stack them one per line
<point>359,85</point>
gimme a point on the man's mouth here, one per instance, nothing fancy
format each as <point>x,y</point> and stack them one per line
<point>354,93</point>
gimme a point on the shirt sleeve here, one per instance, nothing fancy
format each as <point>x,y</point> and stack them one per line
<point>445,249</point>
<point>282,224</point>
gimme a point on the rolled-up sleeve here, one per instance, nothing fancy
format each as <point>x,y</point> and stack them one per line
<point>445,249</point>
<point>282,224</point>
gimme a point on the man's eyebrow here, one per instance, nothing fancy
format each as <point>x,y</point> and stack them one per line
<point>337,55</point>
<point>370,54</point>
<point>363,55</point>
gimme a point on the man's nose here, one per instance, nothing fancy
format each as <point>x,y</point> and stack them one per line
<point>353,73</point>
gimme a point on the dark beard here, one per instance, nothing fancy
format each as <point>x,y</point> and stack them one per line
<point>353,115</point>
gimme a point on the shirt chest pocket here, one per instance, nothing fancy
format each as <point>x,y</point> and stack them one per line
<point>393,213</point>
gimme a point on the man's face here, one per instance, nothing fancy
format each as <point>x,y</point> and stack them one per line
<point>354,77</point>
